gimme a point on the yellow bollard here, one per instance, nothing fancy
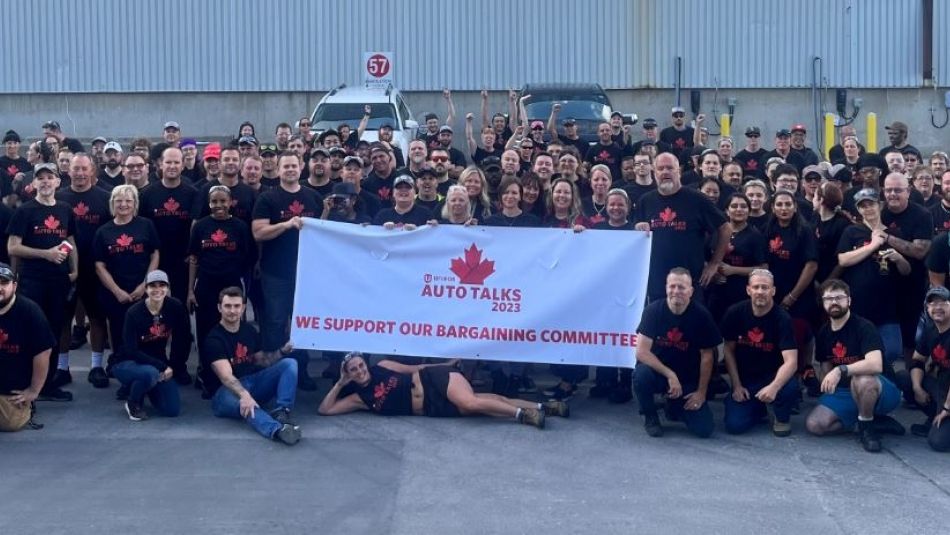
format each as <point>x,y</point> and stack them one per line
<point>872,133</point>
<point>829,134</point>
<point>724,127</point>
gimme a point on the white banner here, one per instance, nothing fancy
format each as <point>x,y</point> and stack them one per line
<point>511,294</point>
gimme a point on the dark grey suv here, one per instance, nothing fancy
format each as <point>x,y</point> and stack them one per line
<point>586,103</point>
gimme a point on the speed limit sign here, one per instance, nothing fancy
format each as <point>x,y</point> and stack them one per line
<point>377,68</point>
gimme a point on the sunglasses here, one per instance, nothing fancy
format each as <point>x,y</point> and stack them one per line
<point>440,159</point>
<point>272,148</point>
<point>679,115</point>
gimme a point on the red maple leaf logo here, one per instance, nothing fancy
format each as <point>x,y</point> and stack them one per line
<point>157,329</point>
<point>124,240</point>
<point>680,143</point>
<point>3,336</point>
<point>674,335</point>
<point>775,244</point>
<point>946,224</point>
<point>51,222</point>
<point>667,215</point>
<point>172,205</point>
<point>379,391</point>
<point>12,170</point>
<point>839,350</point>
<point>219,236</point>
<point>752,165</point>
<point>80,209</point>
<point>596,218</point>
<point>384,193</point>
<point>756,335</point>
<point>472,270</point>
<point>603,156</point>
<point>295,208</point>
<point>939,354</point>
<point>240,352</point>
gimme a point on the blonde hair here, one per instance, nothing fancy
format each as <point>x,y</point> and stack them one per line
<point>446,213</point>
<point>124,189</point>
<point>483,196</point>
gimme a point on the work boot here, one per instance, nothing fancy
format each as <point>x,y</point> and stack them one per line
<point>868,436</point>
<point>556,408</point>
<point>532,417</point>
<point>651,422</point>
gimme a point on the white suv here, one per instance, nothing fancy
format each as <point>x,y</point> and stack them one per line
<point>345,105</point>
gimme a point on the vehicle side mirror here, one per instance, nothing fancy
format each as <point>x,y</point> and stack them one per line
<point>411,124</point>
<point>630,118</point>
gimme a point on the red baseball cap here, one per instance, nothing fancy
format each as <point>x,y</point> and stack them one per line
<point>798,127</point>
<point>212,150</point>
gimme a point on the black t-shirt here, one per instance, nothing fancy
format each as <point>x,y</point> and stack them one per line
<point>381,186</point>
<point>279,255</point>
<point>827,235</point>
<point>108,183</point>
<point>579,144</point>
<point>170,210</point>
<point>6,214</point>
<point>24,333</point>
<point>750,162</point>
<point>836,154</point>
<point>325,190</point>
<point>41,227</point>
<point>914,223</point>
<point>524,219</point>
<point>608,155</point>
<point>388,393</point>
<point>889,148</point>
<point>936,346</point>
<point>237,348</point>
<point>269,183</point>
<point>677,340</point>
<point>242,201</point>
<point>789,249</point>
<point>595,212</point>
<point>367,204</point>
<point>9,168</point>
<point>679,141</point>
<point>806,155</point>
<point>480,154</point>
<point>224,249</point>
<point>759,340</point>
<point>145,337</point>
<point>126,250</point>
<point>417,216</point>
<point>938,259</point>
<point>680,223</point>
<point>746,249</point>
<point>793,159</point>
<point>90,211</point>
<point>847,345</point>
<point>636,191</point>
<point>873,293</point>
<point>605,225</point>
<point>502,139</point>
<point>661,147</point>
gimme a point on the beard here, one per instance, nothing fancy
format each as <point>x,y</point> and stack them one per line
<point>837,312</point>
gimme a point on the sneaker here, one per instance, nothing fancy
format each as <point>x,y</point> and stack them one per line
<point>651,422</point>
<point>182,377</point>
<point>288,434</point>
<point>135,411</point>
<point>122,393</point>
<point>886,425</point>
<point>600,390</point>
<point>78,337</point>
<point>922,430</point>
<point>54,394</point>
<point>810,381</point>
<point>532,417</point>
<point>781,429</point>
<point>282,415</point>
<point>306,383</point>
<point>62,378</point>
<point>620,394</point>
<point>556,408</point>
<point>98,377</point>
<point>868,436</point>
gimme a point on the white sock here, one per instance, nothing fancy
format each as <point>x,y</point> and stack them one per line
<point>518,414</point>
<point>63,361</point>
<point>865,419</point>
<point>97,360</point>
<point>540,406</point>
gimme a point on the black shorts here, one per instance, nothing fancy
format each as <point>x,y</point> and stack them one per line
<point>87,290</point>
<point>435,387</point>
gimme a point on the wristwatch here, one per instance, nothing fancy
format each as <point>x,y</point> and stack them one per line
<point>843,369</point>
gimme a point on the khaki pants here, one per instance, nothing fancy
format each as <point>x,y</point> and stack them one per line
<point>12,417</point>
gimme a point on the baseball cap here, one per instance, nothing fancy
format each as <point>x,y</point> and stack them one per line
<point>430,116</point>
<point>112,145</point>
<point>569,122</point>
<point>871,159</point>
<point>753,131</point>
<point>320,150</point>
<point>386,125</point>
<point>445,128</point>
<point>649,123</point>
<point>427,170</point>
<point>677,109</point>
<point>6,272</point>
<point>99,139</point>
<point>247,140</point>
<point>353,159</point>
<point>938,292</point>
<point>404,179</point>
<point>171,124</point>
<point>783,133</point>
<point>616,113</point>
<point>798,127</point>
<point>53,125</point>
<point>268,148</point>
<point>212,150</point>
<point>378,147</point>
<point>338,151</point>
<point>156,276</point>
<point>866,194</point>
<point>840,173</point>
<point>49,166</point>
<point>537,125</point>
<point>816,170</point>
<point>187,142</point>
<point>343,188</point>
<point>11,135</point>
<point>896,125</point>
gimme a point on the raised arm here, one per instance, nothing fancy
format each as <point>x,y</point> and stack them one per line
<point>469,135</point>
<point>450,107</point>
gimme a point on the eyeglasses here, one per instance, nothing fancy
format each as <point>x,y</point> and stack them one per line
<point>439,159</point>
<point>134,165</point>
<point>677,115</point>
<point>527,147</point>
<point>638,164</point>
<point>894,190</point>
<point>834,298</point>
<point>304,124</point>
<point>938,303</point>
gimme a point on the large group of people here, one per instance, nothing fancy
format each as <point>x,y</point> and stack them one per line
<point>774,274</point>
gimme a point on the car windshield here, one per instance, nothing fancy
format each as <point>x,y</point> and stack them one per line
<point>330,116</point>
<point>582,110</point>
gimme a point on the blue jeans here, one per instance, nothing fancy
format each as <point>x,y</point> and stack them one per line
<point>893,344</point>
<point>279,379</point>
<point>742,416</point>
<point>275,322</point>
<point>142,380</point>
<point>647,382</point>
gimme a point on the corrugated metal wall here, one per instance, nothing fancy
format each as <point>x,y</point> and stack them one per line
<point>941,56</point>
<point>307,45</point>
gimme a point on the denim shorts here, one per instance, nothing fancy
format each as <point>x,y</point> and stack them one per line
<point>842,404</point>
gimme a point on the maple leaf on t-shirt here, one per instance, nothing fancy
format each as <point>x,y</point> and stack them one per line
<point>752,165</point>
<point>295,208</point>
<point>240,353</point>
<point>172,205</point>
<point>939,355</point>
<point>80,209</point>
<point>51,222</point>
<point>12,170</point>
<point>124,240</point>
<point>472,270</point>
<point>839,350</point>
<point>157,329</point>
<point>384,193</point>
<point>674,335</point>
<point>219,236</point>
<point>3,336</point>
<point>667,215</point>
<point>775,244</point>
<point>756,335</point>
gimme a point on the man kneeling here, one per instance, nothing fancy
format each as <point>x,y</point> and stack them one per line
<point>242,377</point>
<point>394,389</point>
